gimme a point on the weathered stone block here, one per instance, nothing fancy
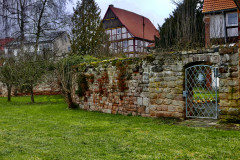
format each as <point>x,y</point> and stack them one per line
<point>178,115</point>
<point>179,97</point>
<point>224,103</point>
<point>152,113</point>
<point>167,101</point>
<point>234,74</point>
<point>168,73</point>
<point>141,109</point>
<point>153,95</point>
<point>233,83</point>
<point>223,95</point>
<point>159,101</point>
<point>160,114</point>
<point>233,103</point>
<point>145,101</point>
<point>177,68</point>
<point>172,108</point>
<point>140,101</point>
<point>157,68</point>
<point>180,109</point>
<point>178,103</point>
<point>166,90</point>
<point>171,84</point>
<point>233,111</point>
<point>144,94</point>
<point>169,96</point>
<point>159,90</point>
<point>170,79</point>
<point>109,111</point>
<point>223,89</point>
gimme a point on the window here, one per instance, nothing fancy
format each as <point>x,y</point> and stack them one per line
<point>118,36</point>
<point>124,30</point>
<point>139,44</point>
<point>15,52</point>
<point>40,47</point>
<point>125,44</point>
<point>232,19</point>
<point>119,31</point>
<point>109,32</point>
<point>46,46</point>
<point>113,31</point>
<point>124,36</point>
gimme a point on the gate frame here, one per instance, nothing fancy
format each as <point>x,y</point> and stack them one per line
<point>216,75</point>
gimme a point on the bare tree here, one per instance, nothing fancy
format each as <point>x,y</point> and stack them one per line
<point>32,20</point>
<point>8,75</point>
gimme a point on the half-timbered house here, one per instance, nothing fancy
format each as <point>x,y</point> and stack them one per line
<point>128,32</point>
<point>221,21</point>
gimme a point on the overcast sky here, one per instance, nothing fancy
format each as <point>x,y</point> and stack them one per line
<point>155,10</point>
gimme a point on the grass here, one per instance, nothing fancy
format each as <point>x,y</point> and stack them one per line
<point>201,93</point>
<point>47,130</point>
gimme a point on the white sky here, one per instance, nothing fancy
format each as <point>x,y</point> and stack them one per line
<point>155,10</point>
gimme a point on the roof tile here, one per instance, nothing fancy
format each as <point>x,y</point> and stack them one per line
<point>4,42</point>
<point>217,5</point>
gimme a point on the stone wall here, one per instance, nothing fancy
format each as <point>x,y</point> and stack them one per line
<point>152,86</point>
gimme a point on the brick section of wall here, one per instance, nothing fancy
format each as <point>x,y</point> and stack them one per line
<point>207,31</point>
<point>155,84</point>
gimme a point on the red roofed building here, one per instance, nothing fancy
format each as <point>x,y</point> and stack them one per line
<point>221,21</point>
<point>3,43</point>
<point>129,32</point>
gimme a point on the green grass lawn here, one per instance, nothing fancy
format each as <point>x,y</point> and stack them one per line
<point>47,130</point>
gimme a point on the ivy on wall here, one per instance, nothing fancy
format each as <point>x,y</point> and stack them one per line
<point>82,85</point>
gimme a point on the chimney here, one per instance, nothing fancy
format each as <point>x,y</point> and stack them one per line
<point>111,5</point>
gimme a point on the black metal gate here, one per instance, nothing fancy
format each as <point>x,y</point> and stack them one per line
<point>201,92</point>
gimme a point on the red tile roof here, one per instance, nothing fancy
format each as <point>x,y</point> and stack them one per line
<point>217,5</point>
<point>4,42</point>
<point>134,23</point>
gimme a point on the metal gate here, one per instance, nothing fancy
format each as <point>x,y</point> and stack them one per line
<point>201,82</point>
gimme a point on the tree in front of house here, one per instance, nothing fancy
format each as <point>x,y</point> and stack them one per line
<point>31,73</point>
<point>8,75</point>
<point>88,32</point>
<point>34,18</point>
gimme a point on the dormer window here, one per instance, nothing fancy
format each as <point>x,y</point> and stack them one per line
<point>232,19</point>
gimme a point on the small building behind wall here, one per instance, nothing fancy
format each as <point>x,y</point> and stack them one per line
<point>128,32</point>
<point>56,43</point>
<point>221,22</point>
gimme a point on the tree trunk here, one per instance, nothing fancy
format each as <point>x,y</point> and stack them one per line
<point>70,101</point>
<point>32,96</point>
<point>9,89</point>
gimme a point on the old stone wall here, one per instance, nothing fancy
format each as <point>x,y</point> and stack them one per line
<point>150,87</point>
<point>153,86</point>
